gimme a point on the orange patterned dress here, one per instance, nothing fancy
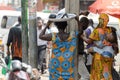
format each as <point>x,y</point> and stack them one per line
<point>62,63</point>
<point>101,66</point>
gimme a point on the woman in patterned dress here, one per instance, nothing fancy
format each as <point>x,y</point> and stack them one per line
<point>63,48</point>
<point>101,66</point>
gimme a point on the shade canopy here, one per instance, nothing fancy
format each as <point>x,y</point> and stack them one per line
<point>111,7</point>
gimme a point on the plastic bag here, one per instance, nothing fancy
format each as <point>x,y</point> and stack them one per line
<point>8,62</point>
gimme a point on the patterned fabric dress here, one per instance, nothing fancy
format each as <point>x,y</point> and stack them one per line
<point>62,63</point>
<point>101,66</point>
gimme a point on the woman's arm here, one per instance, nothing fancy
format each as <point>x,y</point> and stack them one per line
<point>87,40</point>
<point>79,27</point>
<point>115,47</point>
<point>43,36</point>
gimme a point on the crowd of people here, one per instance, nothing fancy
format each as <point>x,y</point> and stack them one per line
<point>101,47</point>
<point>96,47</point>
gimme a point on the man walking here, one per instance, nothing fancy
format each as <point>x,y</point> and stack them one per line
<point>15,41</point>
<point>41,47</point>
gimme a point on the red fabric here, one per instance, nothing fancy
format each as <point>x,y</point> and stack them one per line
<point>95,6</point>
<point>111,7</point>
<point>6,8</point>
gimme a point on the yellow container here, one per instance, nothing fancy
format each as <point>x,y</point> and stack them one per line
<point>0,41</point>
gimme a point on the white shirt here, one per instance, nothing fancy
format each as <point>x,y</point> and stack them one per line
<point>40,41</point>
<point>53,28</point>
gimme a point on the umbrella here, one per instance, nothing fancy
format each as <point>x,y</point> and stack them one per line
<point>111,7</point>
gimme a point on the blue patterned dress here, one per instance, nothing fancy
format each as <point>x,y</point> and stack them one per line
<point>62,63</point>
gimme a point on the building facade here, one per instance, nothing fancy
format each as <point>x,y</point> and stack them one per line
<point>47,4</point>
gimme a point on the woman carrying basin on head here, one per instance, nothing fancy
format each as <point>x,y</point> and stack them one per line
<point>63,48</point>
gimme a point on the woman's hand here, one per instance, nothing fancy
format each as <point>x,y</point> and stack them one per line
<point>84,13</point>
<point>48,23</point>
<point>8,52</point>
<point>77,18</point>
<point>82,35</point>
<point>90,50</point>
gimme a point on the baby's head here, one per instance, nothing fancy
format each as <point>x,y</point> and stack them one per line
<point>111,37</point>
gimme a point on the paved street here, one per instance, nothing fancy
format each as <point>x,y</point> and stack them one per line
<point>45,77</point>
<point>117,67</point>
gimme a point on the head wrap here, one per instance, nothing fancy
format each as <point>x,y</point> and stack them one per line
<point>104,17</point>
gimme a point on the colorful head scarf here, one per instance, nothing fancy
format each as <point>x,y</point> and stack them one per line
<point>103,20</point>
<point>104,17</point>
